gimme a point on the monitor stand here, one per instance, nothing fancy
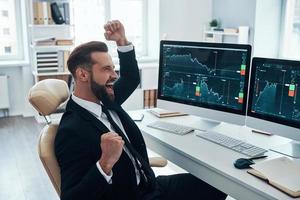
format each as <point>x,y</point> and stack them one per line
<point>205,124</point>
<point>291,149</point>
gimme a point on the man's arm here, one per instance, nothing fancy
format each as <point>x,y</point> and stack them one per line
<point>129,72</point>
<point>129,77</point>
<point>80,176</point>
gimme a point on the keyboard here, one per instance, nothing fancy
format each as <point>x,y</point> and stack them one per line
<point>171,127</point>
<point>231,143</point>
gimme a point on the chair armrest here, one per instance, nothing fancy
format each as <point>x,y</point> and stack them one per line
<point>157,162</point>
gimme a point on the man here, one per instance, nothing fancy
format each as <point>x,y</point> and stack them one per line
<point>100,150</point>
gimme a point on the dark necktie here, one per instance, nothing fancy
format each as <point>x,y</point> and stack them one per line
<point>146,173</point>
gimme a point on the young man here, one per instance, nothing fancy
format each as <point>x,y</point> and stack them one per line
<point>100,150</point>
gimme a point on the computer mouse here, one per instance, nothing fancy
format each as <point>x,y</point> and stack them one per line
<point>243,163</point>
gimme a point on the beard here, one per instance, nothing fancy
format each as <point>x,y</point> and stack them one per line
<point>100,91</point>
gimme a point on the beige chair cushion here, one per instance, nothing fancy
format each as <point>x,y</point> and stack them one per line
<point>47,154</point>
<point>157,161</point>
<point>46,95</point>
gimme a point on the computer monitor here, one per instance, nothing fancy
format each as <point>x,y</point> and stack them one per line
<point>209,80</point>
<point>274,100</point>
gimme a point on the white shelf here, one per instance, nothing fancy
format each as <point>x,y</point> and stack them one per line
<point>239,37</point>
<point>221,33</point>
<point>50,25</point>
<point>51,47</point>
<point>50,73</point>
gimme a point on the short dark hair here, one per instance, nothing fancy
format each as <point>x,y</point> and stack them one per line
<point>81,55</point>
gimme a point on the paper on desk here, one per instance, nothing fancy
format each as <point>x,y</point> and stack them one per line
<point>281,170</point>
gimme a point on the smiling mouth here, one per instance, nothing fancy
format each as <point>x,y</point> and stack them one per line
<point>109,86</point>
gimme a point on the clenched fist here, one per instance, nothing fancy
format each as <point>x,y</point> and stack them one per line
<point>114,30</point>
<point>112,147</point>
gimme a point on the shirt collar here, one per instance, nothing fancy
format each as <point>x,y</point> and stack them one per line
<point>92,107</point>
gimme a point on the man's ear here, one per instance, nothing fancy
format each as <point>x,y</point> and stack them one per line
<point>82,74</point>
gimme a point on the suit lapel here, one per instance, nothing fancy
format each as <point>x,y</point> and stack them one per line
<point>86,115</point>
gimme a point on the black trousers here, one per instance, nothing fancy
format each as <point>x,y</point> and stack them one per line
<point>183,187</point>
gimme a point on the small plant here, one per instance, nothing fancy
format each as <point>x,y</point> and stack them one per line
<point>214,23</point>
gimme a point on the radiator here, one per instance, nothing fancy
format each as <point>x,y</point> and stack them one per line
<point>4,99</point>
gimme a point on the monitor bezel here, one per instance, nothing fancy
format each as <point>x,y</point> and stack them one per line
<point>246,47</point>
<point>255,62</point>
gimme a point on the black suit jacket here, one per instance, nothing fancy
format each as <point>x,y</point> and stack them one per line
<point>77,146</point>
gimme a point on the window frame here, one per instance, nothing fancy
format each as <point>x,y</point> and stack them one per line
<point>288,10</point>
<point>145,50</point>
<point>20,18</point>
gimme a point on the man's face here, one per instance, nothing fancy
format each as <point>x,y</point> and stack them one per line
<point>103,76</point>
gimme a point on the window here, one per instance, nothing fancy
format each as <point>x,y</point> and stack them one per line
<point>10,42</point>
<point>291,33</point>
<point>6,31</point>
<point>90,18</point>
<point>4,13</point>
<point>7,50</point>
<point>132,13</point>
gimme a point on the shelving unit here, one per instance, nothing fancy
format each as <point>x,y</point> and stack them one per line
<point>240,37</point>
<point>48,58</point>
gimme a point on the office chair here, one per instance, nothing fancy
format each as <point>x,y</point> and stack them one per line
<point>46,96</point>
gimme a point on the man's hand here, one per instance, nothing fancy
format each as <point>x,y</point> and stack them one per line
<point>112,147</point>
<point>114,30</point>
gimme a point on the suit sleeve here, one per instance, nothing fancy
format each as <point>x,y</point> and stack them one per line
<point>129,77</point>
<point>80,176</point>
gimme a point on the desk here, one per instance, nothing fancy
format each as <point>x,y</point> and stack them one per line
<point>211,162</point>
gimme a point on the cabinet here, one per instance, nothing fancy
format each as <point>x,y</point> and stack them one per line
<point>51,37</point>
<point>240,35</point>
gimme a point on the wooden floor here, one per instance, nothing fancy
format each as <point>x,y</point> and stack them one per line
<point>22,176</point>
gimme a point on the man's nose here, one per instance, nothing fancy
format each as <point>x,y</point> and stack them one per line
<point>114,74</point>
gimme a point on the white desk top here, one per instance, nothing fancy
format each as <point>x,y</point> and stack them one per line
<point>212,162</point>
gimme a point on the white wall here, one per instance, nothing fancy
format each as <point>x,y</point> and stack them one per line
<point>267,33</point>
<point>184,20</point>
<point>262,16</point>
<point>235,13</point>
<point>19,82</point>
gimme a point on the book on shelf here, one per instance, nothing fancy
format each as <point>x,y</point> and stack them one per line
<point>56,13</point>
<point>45,13</point>
<point>50,20</point>
<point>159,112</point>
<point>152,98</point>
<point>41,13</point>
<point>66,12</point>
<point>146,98</point>
<point>230,30</point>
<point>50,41</point>
<point>35,13</point>
<point>44,41</point>
<point>64,42</point>
<point>282,173</point>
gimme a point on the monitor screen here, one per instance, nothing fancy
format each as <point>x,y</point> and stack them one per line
<point>207,75</point>
<point>274,91</point>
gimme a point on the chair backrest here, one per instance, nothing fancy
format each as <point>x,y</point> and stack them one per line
<point>46,96</point>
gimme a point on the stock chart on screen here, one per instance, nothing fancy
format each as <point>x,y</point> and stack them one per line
<point>275,89</point>
<point>214,76</point>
